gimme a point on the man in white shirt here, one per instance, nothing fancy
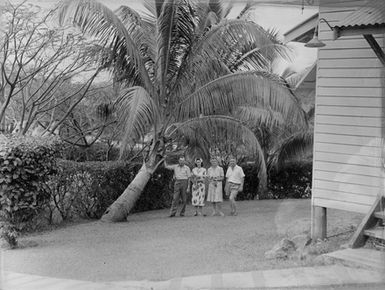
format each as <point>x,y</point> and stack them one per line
<point>234,183</point>
<point>182,174</point>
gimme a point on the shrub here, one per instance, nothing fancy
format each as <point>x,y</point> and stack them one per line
<point>25,165</point>
<point>250,187</point>
<point>158,192</point>
<point>86,189</point>
<point>9,233</point>
<point>293,181</point>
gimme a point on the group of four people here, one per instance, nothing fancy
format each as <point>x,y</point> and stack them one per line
<point>197,181</point>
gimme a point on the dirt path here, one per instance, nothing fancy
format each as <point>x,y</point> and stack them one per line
<point>152,246</point>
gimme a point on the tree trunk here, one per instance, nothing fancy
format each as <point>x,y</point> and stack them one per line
<point>120,209</point>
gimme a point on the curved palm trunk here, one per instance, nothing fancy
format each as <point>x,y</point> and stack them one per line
<point>120,209</point>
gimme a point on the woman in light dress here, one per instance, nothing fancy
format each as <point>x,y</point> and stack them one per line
<point>215,175</point>
<point>198,177</point>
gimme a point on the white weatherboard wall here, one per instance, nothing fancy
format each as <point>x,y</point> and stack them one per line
<point>349,119</point>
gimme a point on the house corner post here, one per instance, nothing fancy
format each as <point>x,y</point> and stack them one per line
<point>319,222</point>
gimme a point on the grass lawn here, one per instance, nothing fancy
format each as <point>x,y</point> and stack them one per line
<point>151,246</point>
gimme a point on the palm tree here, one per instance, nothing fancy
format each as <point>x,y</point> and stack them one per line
<point>293,140</point>
<point>183,68</point>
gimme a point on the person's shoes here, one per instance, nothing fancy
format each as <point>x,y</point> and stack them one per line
<point>182,215</point>
<point>221,213</point>
<point>172,215</point>
<point>234,213</point>
<point>195,214</point>
<point>214,214</point>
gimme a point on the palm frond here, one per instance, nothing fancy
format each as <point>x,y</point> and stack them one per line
<point>149,5</point>
<point>142,27</point>
<point>310,114</point>
<point>100,22</point>
<point>288,72</point>
<point>197,146</point>
<point>212,19</point>
<point>271,47</point>
<point>183,34</point>
<point>216,129</point>
<point>179,36</point>
<point>216,6</point>
<point>231,42</point>
<point>262,171</point>
<point>227,9</point>
<point>255,88</point>
<point>230,34</point>
<point>279,49</point>
<point>251,60</point>
<point>200,11</point>
<point>137,113</point>
<point>291,147</point>
<point>159,4</point>
<point>256,117</point>
<point>219,131</point>
<point>295,78</point>
<point>246,9</point>
<point>202,71</point>
<point>165,24</point>
<point>129,16</point>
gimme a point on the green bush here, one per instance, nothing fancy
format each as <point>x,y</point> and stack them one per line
<point>158,192</point>
<point>293,181</point>
<point>250,187</point>
<point>86,189</point>
<point>9,233</point>
<point>25,165</point>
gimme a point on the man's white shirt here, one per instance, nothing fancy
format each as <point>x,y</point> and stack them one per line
<point>235,175</point>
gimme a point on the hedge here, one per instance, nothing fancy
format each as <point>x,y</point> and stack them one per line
<point>293,181</point>
<point>86,189</point>
<point>25,166</point>
<point>32,180</point>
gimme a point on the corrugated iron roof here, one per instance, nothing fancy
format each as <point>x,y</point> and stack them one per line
<point>373,15</point>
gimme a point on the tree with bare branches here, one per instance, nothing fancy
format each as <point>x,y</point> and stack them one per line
<point>37,59</point>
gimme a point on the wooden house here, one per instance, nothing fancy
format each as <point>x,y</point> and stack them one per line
<point>349,128</point>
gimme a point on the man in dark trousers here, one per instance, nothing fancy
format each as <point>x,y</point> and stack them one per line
<point>182,174</point>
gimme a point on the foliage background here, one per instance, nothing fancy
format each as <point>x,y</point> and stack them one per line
<point>39,188</point>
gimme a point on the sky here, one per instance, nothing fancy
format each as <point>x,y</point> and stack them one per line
<point>282,18</point>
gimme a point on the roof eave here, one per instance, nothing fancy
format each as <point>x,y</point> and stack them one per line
<point>359,30</point>
<point>303,31</point>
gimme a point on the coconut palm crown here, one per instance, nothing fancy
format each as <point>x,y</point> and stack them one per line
<point>184,70</point>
